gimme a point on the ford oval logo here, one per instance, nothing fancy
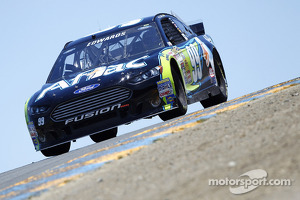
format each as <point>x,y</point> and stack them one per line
<point>86,88</point>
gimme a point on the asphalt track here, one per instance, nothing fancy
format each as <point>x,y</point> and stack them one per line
<point>38,177</point>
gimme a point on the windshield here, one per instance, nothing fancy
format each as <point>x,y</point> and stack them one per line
<point>106,50</point>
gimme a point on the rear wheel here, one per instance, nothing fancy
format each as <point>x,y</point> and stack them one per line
<point>105,135</point>
<point>222,84</point>
<point>57,150</point>
<point>181,100</point>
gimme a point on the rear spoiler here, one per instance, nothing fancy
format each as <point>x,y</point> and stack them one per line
<point>198,28</point>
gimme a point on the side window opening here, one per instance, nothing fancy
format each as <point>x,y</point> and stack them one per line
<point>172,33</point>
<point>184,29</point>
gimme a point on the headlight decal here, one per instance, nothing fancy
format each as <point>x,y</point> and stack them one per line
<point>35,110</point>
<point>156,71</point>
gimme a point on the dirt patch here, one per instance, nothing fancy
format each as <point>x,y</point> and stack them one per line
<point>262,134</point>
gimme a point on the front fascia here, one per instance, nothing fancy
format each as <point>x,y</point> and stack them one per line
<point>135,108</point>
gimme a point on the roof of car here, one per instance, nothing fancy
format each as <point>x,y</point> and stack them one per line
<point>114,29</point>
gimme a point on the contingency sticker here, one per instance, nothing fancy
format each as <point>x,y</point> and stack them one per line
<point>186,72</point>
<point>164,88</point>
<point>34,135</point>
<point>170,99</point>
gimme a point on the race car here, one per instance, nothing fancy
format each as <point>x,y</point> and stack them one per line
<point>152,66</point>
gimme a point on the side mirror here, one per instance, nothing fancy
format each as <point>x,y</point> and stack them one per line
<point>198,28</point>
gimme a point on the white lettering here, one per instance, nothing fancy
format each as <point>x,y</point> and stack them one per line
<point>117,106</point>
<point>207,54</point>
<point>89,115</point>
<point>78,77</point>
<point>195,61</point>
<point>104,110</point>
<point>79,119</point>
<point>68,121</point>
<point>61,85</point>
<point>114,68</point>
<point>133,63</point>
<point>106,38</point>
<point>95,73</point>
<point>93,114</point>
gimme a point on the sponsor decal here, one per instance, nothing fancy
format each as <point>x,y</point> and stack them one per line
<point>41,121</point>
<point>94,73</point>
<point>199,52</point>
<point>164,88</point>
<point>123,106</point>
<point>211,72</point>
<point>178,57</point>
<point>182,65</point>
<point>95,113</point>
<point>106,38</point>
<point>212,75</point>
<point>170,99</point>
<point>86,88</point>
<point>175,49</point>
<point>167,107</point>
<point>32,130</point>
<point>186,72</point>
<point>207,54</point>
<point>194,56</point>
<point>182,55</point>
<point>34,135</point>
<point>167,57</point>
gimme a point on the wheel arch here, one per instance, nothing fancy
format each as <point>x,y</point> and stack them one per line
<point>217,56</point>
<point>175,69</point>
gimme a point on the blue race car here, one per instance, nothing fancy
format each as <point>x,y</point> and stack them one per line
<point>147,67</point>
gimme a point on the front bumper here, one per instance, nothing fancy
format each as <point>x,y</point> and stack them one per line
<point>142,103</point>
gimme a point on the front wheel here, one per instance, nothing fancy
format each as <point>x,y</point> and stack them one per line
<point>222,84</point>
<point>105,135</point>
<point>57,150</point>
<point>181,100</point>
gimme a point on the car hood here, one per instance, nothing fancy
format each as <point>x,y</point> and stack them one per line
<point>95,79</point>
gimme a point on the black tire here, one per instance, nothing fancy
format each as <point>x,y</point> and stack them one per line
<point>57,150</point>
<point>105,135</point>
<point>181,100</point>
<point>222,84</point>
